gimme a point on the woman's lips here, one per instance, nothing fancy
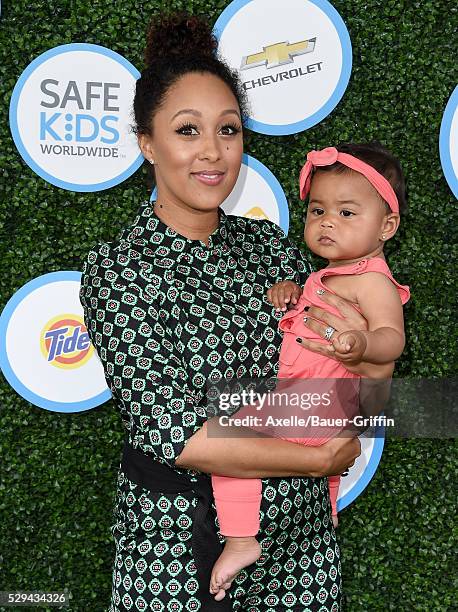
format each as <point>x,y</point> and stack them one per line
<point>209,177</point>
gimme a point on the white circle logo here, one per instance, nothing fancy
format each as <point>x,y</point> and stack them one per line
<point>45,351</point>
<point>364,468</point>
<point>69,117</point>
<point>257,195</point>
<point>448,142</point>
<point>294,58</point>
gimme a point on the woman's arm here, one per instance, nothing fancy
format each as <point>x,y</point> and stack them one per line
<point>148,383</point>
<point>142,366</point>
<point>250,455</point>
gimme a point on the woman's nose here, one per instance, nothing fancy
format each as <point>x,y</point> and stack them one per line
<point>209,149</point>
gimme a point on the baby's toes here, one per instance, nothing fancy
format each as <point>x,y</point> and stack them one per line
<point>214,584</point>
<point>220,595</point>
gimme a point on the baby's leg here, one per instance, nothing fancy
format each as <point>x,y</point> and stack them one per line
<point>333,484</point>
<point>237,503</point>
<point>333,481</point>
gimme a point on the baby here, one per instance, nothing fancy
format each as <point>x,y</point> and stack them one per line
<point>356,193</point>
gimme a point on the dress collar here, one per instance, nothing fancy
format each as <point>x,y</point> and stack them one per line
<point>147,225</point>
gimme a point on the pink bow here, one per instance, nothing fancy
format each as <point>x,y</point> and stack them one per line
<point>325,157</point>
<point>329,156</point>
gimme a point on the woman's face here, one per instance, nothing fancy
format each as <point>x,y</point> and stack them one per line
<point>196,143</point>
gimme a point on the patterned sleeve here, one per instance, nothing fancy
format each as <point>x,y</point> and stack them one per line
<point>141,364</point>
<point>293,264</point>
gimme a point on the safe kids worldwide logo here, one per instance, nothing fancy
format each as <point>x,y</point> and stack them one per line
<point>65,342</point>
<point>70,117</point>
<point>294,59</point>
<point>45,351</point>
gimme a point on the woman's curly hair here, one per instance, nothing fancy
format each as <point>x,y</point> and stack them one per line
<point>178,44</point>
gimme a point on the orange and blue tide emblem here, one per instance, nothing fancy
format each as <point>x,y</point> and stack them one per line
<point>65,342</point>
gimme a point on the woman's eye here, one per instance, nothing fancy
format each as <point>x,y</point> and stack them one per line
<point>230,129</point>
<point>346,213</point>
<point>187,130</point>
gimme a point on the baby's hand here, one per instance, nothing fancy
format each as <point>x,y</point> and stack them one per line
<point>335,520</point>
<point>349,347</point>
<point>283,293</point>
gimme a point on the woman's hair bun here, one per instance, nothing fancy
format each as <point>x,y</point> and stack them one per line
<point>178,35</point>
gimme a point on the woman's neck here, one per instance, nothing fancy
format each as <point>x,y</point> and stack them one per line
<point>190,223</point>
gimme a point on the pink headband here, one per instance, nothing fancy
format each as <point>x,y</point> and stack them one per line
<point>329,156</point>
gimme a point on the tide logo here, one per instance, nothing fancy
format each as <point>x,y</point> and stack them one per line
<point>65,343</point>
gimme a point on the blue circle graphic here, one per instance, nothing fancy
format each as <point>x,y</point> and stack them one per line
<point>299,126</point>
<point>369,470</point>
<point>444,142</point>
<point>272,181</point>
<point>14,119</point>
<point>5,365</point>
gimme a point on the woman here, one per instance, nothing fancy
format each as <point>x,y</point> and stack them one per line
<point>178,300</point>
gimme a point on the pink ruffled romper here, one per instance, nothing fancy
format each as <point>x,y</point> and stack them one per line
<point>238,499</point>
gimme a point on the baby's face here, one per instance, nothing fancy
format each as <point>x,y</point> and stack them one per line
<point>344,216</point>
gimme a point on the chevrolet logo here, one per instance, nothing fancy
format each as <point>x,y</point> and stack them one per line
<point>278,54</point>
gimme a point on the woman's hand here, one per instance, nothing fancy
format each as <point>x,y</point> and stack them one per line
<point>284,293</point>
<point>339,454</point>
<point>350,321</point>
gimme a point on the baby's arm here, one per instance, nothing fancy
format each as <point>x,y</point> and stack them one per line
<point>381,306</point>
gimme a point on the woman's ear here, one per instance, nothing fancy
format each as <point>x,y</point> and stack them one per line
<point>146,146</point>
<point>389,226</point>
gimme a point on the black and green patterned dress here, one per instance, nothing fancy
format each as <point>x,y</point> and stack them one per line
<point>165,313</point>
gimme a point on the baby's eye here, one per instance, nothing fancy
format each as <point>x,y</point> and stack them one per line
<point>317,211</point>
<point>187,130</point>
<point>346,213</point>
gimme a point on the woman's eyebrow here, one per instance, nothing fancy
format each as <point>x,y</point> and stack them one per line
<point>192,111</point>
<point>187,111</point>
<point>231,111</point>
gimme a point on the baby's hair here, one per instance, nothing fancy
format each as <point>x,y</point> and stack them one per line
<point>178,44</point>
<point>377,156</point>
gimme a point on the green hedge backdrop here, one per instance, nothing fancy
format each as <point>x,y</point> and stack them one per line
<point>58,471</point>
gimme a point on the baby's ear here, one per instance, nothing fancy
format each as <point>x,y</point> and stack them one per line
<point>390,226</point>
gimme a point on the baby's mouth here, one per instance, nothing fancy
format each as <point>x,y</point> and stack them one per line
<point>325,240</point>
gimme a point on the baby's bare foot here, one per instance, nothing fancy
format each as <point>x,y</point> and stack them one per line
<point>237,554</point>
